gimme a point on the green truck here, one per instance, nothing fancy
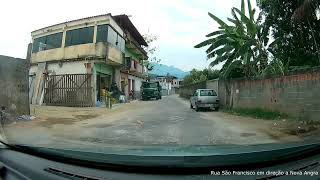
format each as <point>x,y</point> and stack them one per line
<point>150,90</point>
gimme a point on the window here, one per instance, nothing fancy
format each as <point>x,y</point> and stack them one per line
<point>51,41</point>
<point>102,33</point>
<point>106,33</point>
<point>121,43</point>
<point>208,93</point>
<point>79,36</point>
<point>112,36</point>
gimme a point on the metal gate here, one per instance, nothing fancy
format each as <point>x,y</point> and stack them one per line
<point>73,90</point>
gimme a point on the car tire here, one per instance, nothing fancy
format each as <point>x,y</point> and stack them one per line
<point>216,109</point>
<point>197,108</point>
<point>191,107</point>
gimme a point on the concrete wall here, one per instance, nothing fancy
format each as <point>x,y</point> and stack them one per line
<point>74,67</point>
<point>98,50</point>
<point>14,85</point>
<point>213,84</point>
<point>188,90</point>
<point>297,95</point>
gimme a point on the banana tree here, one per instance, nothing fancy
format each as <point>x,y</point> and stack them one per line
<point>242,42</point>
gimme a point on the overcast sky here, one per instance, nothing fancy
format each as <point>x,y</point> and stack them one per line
<point>179,24</point>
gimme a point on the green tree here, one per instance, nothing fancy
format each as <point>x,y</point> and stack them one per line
<point>296,30</point>
<point>150,49</point>
<point>243,43</point>
<point>306,10</point>
<point>200,75</point>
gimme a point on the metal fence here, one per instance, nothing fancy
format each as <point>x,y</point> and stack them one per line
<point>73,90</point>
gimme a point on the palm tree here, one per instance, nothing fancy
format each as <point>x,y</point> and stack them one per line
<point>243,43</point>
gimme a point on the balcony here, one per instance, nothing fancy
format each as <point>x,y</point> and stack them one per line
<point>134,68</point>
<point>99,50</point>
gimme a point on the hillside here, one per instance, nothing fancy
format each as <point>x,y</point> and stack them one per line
<point>162,70</point>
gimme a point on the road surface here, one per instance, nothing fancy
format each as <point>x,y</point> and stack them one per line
<point>168,121</point>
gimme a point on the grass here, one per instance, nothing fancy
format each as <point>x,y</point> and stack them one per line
<point>257,113</point>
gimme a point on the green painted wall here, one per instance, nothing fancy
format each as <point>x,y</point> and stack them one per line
<point>129,53</point>
<point>102,68</point>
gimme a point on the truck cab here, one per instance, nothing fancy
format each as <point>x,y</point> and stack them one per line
<point>150,90</point>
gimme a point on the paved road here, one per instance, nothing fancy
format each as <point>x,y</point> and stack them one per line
<point>171,121</point>
<point>163,122</point>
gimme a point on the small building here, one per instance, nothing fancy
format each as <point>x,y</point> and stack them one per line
<point>166,83</point>
<point>176,83</point>
<point>71,62</point>
<point>133,73</point>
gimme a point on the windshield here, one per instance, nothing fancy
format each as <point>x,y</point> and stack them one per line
<point>150,85</point>
<point>86,79</point>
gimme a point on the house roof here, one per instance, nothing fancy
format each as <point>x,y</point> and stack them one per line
<point>109,14</point>
<point>125,23</point>
<point>168,77</point>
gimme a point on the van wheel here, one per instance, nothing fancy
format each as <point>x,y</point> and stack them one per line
<point>197,108</point>
<point>191,107</point>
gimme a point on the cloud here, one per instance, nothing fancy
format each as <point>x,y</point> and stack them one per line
<point>179,24</point>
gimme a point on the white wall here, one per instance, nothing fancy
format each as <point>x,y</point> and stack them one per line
<point>68,68</point>
<point>33,69</point>
<point>77,67</point>
<point>138,82</point>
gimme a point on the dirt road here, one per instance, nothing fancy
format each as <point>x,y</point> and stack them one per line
<point>163,122</point>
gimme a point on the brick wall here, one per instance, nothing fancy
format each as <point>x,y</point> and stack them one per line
<point>297,95</point>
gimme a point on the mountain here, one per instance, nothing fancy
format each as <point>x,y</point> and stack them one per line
<point>162,70</point>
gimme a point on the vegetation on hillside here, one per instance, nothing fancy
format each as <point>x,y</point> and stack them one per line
<point>196,76</point>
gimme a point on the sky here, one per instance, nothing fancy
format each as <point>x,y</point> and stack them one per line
<point>178,24</point>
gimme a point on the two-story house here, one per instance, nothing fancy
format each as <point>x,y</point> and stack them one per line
<point>134,72</point>
<point>71,62</point>
<point>167,84</point>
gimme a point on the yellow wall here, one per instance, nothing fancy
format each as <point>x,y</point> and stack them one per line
<point>99,50</point>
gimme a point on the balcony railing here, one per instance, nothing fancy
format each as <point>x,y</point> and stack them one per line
<point>83,51</point>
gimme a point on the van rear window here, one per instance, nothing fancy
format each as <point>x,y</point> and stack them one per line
<point>208,93</point>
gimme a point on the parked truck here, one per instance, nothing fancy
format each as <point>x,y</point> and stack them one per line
<point>150,90</point>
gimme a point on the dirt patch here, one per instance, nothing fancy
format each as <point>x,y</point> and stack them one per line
<point>91,139</point>
<point>297,128</point>
<point>48,122</point>
<point>85,116</point>
<point>99,125</point>
<point>247,134</point>
<point>276,135</point>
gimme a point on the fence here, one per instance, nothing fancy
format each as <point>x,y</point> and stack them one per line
<point>72,90</point>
